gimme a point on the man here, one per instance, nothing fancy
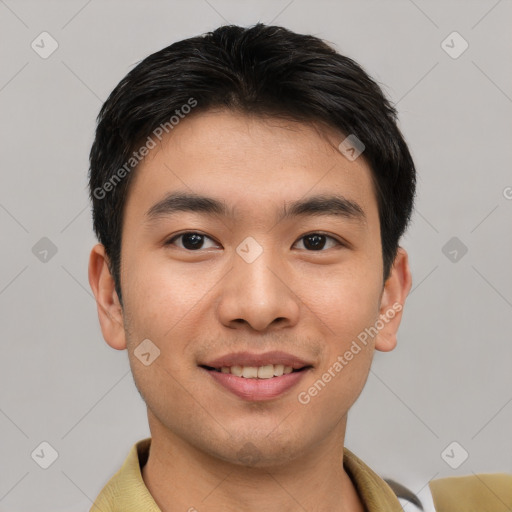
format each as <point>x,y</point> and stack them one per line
<point>249,188</point>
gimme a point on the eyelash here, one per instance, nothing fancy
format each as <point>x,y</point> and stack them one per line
<point>175,237</point>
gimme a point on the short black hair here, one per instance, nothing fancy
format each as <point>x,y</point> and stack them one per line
<point>258,70</point>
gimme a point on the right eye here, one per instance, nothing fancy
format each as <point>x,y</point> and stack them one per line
<point>191,240</point>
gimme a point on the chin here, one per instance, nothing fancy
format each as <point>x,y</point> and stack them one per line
<point>262,451</point>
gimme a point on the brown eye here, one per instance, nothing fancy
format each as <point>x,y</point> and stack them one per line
<point>318,241</point>
<point>191,241</point>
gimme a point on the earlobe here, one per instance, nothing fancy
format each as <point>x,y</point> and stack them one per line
<point>395,292</point>
<point>110,312</point>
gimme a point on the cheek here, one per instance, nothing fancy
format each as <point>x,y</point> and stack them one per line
<point>159,294</point>
<point>334,391</point>
<point>159,306</point>
<point>345,305</point>
<point>345,301</point>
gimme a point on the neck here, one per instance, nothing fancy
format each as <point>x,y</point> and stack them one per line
<point>180,477</point>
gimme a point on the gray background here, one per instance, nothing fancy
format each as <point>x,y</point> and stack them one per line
<point>450,377</point>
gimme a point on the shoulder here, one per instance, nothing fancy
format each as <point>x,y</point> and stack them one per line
<point>491,492</point>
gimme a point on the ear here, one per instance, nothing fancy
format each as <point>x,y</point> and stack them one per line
<point>395,291</point>
<point>110,311</point>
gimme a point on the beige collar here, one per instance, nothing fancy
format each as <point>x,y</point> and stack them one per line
<point>127,492</point>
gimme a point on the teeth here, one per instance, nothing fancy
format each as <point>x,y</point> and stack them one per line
<point>250,372</point>
<point>278,370</point>
<point>265,372</point>
<point>236,370</point>
<point>258,372</point>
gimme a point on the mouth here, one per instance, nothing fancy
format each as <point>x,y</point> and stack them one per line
<point>256,377</point>
<point>268,371</point>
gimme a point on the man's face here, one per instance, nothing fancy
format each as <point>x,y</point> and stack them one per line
<point>247,282</point>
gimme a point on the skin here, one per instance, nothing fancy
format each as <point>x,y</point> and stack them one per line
<point>196,305</point>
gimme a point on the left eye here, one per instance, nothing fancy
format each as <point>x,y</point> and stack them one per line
<point>193,241</point>
<point>317,241</point>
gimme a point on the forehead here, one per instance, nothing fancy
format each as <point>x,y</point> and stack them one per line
<point>249,163</point>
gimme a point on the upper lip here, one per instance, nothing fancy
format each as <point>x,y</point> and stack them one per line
<point>263,359</point>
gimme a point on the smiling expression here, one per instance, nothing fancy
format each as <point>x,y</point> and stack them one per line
<point>251,257</point>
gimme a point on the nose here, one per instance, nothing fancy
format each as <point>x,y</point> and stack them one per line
<point>258,294</point>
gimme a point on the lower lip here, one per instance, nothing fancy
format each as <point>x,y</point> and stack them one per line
<point>257,389</point>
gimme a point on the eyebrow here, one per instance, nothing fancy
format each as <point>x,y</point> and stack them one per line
<point>319,205</point>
